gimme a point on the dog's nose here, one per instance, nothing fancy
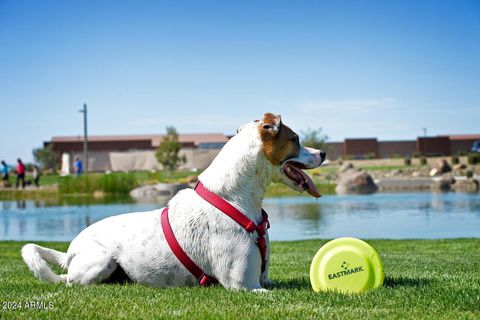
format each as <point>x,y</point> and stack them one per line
<point>323,154</point>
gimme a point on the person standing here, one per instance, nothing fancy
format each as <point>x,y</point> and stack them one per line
<point>78,166</point>
<point>5,177</point>
<point>20,173</point>
<point>36,175</point>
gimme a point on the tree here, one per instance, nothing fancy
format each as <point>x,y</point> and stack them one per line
<point>168,151</point>
<point>45,157</point>
<point>314,139</point>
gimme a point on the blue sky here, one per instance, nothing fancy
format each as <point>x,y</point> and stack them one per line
<point>381,69</point>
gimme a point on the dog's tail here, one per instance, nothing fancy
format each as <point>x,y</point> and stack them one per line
<point>36,258</point>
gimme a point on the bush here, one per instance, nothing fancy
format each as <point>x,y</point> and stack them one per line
<point>416,154</point>
<point>114,183</point>
<point>370,156</point>
<point>423,161</point>
<point>407,161</point>
<point>473,158</point>
<point>455,160</point>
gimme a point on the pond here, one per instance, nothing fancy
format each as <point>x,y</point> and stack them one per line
<point>381,215</point>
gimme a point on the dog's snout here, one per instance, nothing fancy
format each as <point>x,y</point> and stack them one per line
<point>323,155</point>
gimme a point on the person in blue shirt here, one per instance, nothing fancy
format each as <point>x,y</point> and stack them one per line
<point>78,166</point>
<point>5,177</point>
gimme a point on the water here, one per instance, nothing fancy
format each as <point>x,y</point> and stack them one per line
<point>382,215</point>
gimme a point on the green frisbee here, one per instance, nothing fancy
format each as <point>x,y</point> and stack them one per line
<point>347,265</point>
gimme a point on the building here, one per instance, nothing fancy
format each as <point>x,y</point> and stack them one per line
<point>136,152</point>
<point>442,145</point>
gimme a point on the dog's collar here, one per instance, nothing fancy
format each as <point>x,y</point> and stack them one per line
<point>230,211</point>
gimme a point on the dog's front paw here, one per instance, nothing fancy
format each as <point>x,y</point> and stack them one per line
<point>260,290</point>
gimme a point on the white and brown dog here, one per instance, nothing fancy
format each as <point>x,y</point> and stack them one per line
<point>134,244</point>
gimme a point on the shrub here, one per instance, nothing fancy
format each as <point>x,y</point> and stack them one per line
<point>416,154</point>
<point>370,156</point>
<point>423,161</point>
<point>45,157</point>
<point>168,152</point>
<point>407,161</point>
<point>473,158</point>
<point>455,159</point>
<point>114,183</point>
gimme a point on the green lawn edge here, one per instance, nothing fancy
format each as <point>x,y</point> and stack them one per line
<point>425,279</point>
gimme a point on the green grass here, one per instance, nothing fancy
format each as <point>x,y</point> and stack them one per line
<point>425,279</point>
<point>390,168</point>
<point>30,194</point>
<point>281,190</point>
<point>113,183</point>
<point>119,183</point>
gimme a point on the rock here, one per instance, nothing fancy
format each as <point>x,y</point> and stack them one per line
<point>441,167</point>
<point>416,174</point>
<point>355,182</point>
<point>459,167</point>
<point>97,194</point>
<point>345,167</point>
<point>467,185</point>
<point>469,173</point>
<point>444,184</point>
<point>159,190</point>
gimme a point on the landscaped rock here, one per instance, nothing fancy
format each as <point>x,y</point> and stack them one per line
<point>467,185</point>
<point>441,167</point>
<point>443,184</point>
<point>157,191</point>
<point>355,182</point>
<point>469,173</point>
<point>345,167</point>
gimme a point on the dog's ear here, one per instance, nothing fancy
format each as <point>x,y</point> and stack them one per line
<point>270,125</point>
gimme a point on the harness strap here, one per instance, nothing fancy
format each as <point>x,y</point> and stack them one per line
<point>229,210</point>
<point>225,207</point>
<point>239,218</point>
<point>204,279</point>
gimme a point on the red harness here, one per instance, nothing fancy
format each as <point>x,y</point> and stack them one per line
<point>230,211</point>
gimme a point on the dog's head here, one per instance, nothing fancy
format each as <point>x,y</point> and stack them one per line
<point>281,147</point>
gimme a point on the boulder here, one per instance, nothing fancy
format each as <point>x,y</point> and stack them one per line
<point>160,191</point>
<point>469,173</point>
<point>345,167</point>
<point>355,182</point>
<point>440,167</point>
<point>443,184</point>
<point>467,185</point>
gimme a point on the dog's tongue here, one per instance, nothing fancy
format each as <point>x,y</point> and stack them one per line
<point>302,178</point>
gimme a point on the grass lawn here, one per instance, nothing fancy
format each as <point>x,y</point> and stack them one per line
<point>432,279</point>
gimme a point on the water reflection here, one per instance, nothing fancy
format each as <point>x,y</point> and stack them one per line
<point>415,215</point>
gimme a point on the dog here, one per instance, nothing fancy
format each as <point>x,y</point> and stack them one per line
<point>135,244</point>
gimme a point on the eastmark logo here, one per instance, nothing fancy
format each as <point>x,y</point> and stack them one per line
<point>345,272</point>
